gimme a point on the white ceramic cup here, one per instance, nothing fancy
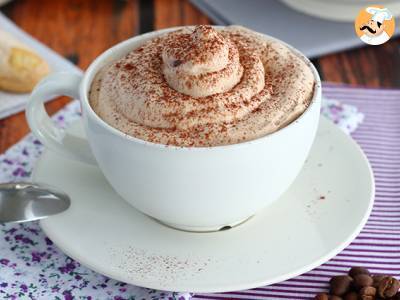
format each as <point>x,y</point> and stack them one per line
<point>197,189</point>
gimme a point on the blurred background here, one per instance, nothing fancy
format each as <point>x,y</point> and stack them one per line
<point>82,29</point>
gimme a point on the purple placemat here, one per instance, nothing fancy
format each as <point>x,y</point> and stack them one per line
<point>378,245</point>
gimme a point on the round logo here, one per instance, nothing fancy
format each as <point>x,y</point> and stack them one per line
<point>374,25</point>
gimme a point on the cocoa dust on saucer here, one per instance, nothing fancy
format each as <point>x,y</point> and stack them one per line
<point>141,264</point>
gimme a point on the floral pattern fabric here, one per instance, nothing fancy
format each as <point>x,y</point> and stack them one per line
<point>32,267</point>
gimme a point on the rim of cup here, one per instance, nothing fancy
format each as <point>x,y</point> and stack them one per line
<point>104,59</point>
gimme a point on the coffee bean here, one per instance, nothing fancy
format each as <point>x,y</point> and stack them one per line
<point>321,296</point>
<point>366,297</point>
<point>362,280</point>
<point>351,296</point>
<point>388,287</point>
<point>367,293</point>
<point>377,279</point>
<point>368,290</point>
<point>359,284</point>
<point>340,285</point>
<point>354,271</point>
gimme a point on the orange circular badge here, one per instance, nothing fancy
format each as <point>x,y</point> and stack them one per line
<point>374,25</point>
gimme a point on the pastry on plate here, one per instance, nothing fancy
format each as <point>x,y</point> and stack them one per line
<point>20,67</point>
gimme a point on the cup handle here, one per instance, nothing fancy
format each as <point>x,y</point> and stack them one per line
<point>53,137</point>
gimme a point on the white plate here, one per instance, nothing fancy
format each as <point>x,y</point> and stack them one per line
<point>321,213</point>
<point>342,11</point>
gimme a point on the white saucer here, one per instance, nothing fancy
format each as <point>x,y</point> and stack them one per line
<point>322,213</point>
<point>339,11</point>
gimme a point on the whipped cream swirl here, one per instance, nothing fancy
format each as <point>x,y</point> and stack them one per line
<point>201,63</point>
<point>203,87</point>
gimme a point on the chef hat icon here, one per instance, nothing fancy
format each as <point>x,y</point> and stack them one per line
<point>379,14</point>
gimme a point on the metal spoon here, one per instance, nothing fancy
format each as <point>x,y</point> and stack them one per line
<point>24,201</point>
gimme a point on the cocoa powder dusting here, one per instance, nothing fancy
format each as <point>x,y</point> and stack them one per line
<point>275,87</point>
<point>146,265</point>
<point>128,66</point>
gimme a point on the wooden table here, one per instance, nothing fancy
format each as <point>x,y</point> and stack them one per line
<point>82,29</point>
